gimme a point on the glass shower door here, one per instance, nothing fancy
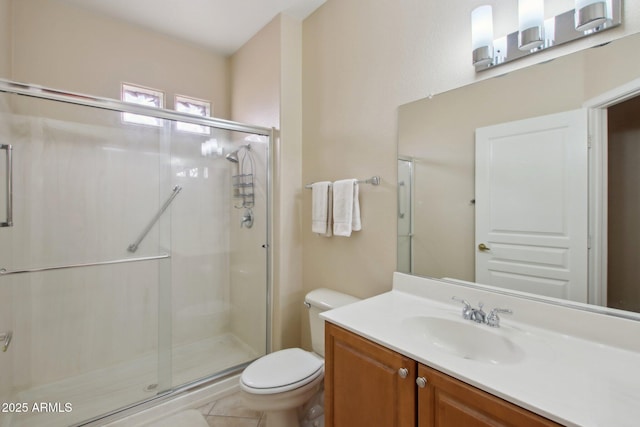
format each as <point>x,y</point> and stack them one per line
<point>219,252</point>
<point>136,264</point>
<point>84,311</point>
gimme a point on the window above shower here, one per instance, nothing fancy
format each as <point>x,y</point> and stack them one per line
<point>155,98</point>
<point>143,96</point>
<point>199,107</point>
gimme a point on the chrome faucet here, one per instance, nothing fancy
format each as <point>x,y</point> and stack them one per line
<point>467,310</point>
<point>479,316</point>
<point>493,319</point>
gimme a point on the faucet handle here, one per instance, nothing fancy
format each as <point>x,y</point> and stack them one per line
<point>466,310</point>
<point>247,218</point>
<point>493,319</point>
<point>462,301</point>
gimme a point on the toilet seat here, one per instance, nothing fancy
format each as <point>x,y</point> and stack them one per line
<point>281,371</point>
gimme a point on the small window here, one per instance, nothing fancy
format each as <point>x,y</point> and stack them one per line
<point>198,107</point>
<point>143,96</point>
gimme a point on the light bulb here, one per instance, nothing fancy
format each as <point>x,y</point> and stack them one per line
<point>482,35</point>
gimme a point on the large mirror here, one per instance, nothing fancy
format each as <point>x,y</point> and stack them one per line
<point>452,186</point>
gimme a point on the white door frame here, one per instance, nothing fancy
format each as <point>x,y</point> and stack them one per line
<point>598,180</point>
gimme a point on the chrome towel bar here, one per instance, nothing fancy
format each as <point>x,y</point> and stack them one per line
<point>374,180</point>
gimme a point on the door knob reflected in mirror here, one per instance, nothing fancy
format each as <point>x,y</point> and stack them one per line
<point>483,248</point>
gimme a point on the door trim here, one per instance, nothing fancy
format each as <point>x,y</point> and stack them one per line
<point>598,180</point>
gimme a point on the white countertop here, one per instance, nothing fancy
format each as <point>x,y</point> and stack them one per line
<point>566,378</point>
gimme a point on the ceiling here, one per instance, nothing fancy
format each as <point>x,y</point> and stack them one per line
<point>220,25</point>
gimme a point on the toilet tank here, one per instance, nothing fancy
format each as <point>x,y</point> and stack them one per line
<point>320,300</point>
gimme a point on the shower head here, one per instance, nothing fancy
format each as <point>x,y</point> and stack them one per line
<point>233,156</point>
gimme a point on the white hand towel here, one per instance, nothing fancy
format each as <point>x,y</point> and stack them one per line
<point>346,207</point>
<point>321,208</point>
<point>356,225</point>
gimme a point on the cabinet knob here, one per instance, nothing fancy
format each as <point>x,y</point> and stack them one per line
<point>421,381</point>
<point>403,372</point>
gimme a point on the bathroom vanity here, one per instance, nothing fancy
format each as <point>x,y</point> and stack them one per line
<point>368,384</point>
<point>408,358</point>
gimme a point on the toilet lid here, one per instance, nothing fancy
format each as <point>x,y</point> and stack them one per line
<point>283,370</point>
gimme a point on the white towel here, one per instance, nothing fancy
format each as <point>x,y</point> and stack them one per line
<point>346,207</point>
<point>356,225</point>
<point>321,208</point>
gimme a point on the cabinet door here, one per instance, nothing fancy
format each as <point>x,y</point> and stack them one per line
<point>363,383</point>
<point>448,402</point>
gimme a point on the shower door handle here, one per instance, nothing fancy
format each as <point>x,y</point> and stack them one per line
<point>134,246</point>
<point>9,182</point>
<point>401,190</point>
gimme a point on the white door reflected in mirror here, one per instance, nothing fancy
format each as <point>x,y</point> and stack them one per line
<point>531,204</point>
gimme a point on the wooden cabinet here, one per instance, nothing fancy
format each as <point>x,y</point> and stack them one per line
<point>365,386</point>
<point>448,402</point>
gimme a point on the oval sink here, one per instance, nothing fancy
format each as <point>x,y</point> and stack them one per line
<point>465,339</point>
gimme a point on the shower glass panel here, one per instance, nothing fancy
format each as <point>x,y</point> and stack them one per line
<point>127,273</point>
<point>405,215</point>
<point>219,264</point>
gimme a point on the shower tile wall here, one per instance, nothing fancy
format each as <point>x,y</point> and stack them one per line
<point>200,242</point>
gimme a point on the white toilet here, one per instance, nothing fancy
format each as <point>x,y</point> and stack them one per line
<point>280,383</point>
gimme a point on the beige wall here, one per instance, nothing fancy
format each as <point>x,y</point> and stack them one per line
<point>288,198</point>
<point>66,47</point>
<point>266,91</point>
<point>350,68</point>
<point>362,60</point>
<point>5,38</point>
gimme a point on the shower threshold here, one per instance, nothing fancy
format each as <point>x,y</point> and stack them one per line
<point>108,389</point>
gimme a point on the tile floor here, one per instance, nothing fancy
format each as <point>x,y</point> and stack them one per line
<point>229,412</point>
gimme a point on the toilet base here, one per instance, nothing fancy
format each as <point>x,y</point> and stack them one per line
<point>285,418</point>
<point>282,409</point>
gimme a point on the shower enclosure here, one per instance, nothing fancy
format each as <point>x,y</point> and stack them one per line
<point>126,271</point>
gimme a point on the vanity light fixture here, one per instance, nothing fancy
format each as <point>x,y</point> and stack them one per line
<point>549,32</point>
<point>530,24</point>
<point>591,14</point>
<point>482,35</point>
<point>536,34</point>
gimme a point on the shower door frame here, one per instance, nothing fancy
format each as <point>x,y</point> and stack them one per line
<point>36,91</point>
